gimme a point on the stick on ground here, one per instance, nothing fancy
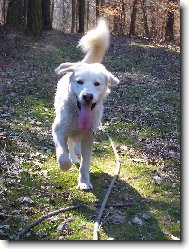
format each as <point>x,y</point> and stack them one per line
<point>118,164</point>
<point>42,218</point>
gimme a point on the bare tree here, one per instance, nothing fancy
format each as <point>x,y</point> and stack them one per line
<point>52,10</point>
<point>15,13</point>
<point>46,14</point>
<point>81,16</point>
<point>4,12</point>
<point>34,17</point>
<point>87,13</point>
<point>73,16</point>
<point>170,19</point>
<point>145,21</point>
<point>154,19</point>
<point>133,18</point>
<point>97,9</point>
<point>25,13</point>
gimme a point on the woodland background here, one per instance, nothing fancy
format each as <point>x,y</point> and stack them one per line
<point>156,20</point>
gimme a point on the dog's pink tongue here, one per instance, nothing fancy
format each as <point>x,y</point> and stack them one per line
<point>85,119</point>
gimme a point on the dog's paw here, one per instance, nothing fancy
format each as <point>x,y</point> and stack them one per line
<point>84,186</point>
<point>65,165</point>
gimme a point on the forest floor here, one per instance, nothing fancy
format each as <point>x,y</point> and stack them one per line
<point>142,115</point>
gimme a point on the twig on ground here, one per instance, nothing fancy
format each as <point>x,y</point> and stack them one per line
<point>125,205</point>
<point>42,218</point>
<point>61,210</point>
<point>118,164</point>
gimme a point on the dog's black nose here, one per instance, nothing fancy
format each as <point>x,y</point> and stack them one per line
<point>88,97</point>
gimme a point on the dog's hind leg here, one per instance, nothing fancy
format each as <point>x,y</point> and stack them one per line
<point>86,149</point>
<point>77,148</point>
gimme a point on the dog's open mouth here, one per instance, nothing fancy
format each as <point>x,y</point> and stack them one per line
<point>85,118</point>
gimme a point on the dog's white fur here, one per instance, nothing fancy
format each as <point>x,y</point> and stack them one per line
<point>69,139</point>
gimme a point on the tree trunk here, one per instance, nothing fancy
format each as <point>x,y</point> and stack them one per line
<point>73,16</point>
<point>35,17</point>
<point>4,12</point>
<point>123,11</point>
<point>52,10</point>
<point>97,9</point>
<point>81,16</point>
<point>87,15</point>
<point>116,24</point>
<point>169,29</point>
<point>46,14</point>
<point>146,29</point>
<point>133,18</point>
<point>15,13</point>
<point>25,13</point>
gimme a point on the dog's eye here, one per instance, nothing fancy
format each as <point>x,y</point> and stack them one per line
<point>96,83</point>
<point>80,82</point>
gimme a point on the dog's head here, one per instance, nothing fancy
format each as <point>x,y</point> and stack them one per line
<point>89,83</point>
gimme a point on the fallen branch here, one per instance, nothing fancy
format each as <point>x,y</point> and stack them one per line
<point>42,218</point>
<point>62,210</point>
<point>125,205</point>
<point>118,164</point>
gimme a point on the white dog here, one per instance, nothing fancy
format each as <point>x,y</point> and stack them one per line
<point>78,103</point>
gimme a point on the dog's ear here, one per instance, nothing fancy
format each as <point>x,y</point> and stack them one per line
<point>65,68</point>
<point>112,80</point>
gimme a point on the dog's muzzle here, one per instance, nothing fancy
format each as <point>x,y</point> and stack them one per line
<point>79,105</point>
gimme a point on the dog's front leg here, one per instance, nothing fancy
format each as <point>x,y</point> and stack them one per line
<point>86,149</point>
<point>62,154</point>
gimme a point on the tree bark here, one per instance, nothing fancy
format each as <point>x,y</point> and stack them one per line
<point>133,18</point>
<point>146,29</point>
<point>97,9</point>
<point>87,17</point>
<point>15,13</point>
<point>4,12</point>
<point>35,17</point>
<point>73,16</point>
<point>52,10</point>
<point>25,13</point>
<point>169,29</point>
<point>81,16</point>
<point>46,14</point>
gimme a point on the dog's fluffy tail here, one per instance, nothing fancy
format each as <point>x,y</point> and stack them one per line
<point>95,42</point>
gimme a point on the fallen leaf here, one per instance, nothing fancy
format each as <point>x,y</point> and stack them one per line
<point>137,221</point>
<point>158,179</point>
<point>4,226</point>
<point>25,200</point>
<point>146,216</point>
<point>138,160</point>
<point>62,226</point>
<point>118,218</point>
